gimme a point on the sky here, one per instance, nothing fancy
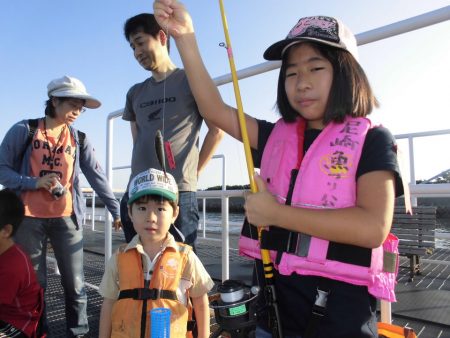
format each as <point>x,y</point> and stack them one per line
<point>45,39</point>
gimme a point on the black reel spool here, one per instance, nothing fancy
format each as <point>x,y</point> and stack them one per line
<point>235,310</point>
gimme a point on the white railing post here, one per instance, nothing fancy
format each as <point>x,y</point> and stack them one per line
<point>93,210</point>
<point>412,171</point>
<point>85,206</point>
<point>386,311</point>
<point>109,175</point>
<point>204,217</point>
<point>225,239</point>
<point>225,226</point>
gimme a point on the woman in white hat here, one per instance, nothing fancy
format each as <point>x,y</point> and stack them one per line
<point>42,159</point>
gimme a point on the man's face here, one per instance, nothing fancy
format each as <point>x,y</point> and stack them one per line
<point>148,50</point>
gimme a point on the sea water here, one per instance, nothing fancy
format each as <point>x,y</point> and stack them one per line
<point>236,220</point>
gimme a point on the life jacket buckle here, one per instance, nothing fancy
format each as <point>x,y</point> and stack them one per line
<point>140,294</point>
<point>317,313</point>
<point>321,302</point>
<point>155,294</point>
<point>143,294</point>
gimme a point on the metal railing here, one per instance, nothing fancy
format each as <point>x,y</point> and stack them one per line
<point>224,187</point>
<point>425,190</point>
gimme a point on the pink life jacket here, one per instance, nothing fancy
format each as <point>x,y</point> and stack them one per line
<point>327,180</point>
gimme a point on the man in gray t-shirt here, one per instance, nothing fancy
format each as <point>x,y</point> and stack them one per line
<point>165,102</point>
<point>169,106</point>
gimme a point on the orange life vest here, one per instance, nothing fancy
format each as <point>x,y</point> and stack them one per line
<point>393,331</point>
<point>128,319</point>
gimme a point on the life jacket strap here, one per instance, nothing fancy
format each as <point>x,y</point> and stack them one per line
<point>282,240</point>
<point>318,310</point>
<point>144,294</point>
<point>191,325</point>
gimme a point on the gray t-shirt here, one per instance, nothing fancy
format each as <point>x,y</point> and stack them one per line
<point>168,106</point>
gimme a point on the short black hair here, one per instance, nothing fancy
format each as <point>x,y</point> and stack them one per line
<point>11,210</point>
<point>350,92</point>
<point>49,109</point>
<point>144,22</point>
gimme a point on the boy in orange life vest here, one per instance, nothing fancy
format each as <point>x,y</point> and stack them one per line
<point>153,270</point>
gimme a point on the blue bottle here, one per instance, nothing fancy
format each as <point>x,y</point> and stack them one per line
<point>160,322</point>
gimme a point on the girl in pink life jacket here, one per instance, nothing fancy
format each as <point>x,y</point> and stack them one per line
<point>328,177</point>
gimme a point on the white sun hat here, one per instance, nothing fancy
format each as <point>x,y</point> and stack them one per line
<point>67,86</point>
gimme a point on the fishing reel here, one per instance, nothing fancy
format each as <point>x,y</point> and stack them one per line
<point>235,309</point>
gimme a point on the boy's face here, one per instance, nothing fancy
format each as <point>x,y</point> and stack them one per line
<point>152,219</point>
<point>148,50</point>
<point>5,237</point>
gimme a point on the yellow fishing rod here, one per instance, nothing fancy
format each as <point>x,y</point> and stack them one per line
<point>265,256</point>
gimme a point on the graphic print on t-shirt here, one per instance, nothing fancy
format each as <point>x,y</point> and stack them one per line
<point>51,153</point>
<point>154,115</point>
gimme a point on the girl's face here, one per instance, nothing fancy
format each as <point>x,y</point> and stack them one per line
<point>308,80</point>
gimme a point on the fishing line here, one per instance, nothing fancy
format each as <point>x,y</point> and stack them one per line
<point>236,121</point>
<point>164,85</point>
<point>269,287</point>
<point>160,135</point>
<point>226,92</point>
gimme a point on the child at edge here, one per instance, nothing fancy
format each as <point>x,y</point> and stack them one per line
<point>328,178</point>
<point>153,261</point>
<point>20,294</point>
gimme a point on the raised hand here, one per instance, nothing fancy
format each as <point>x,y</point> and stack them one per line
<point>261,207</point>
<point>173,17</point>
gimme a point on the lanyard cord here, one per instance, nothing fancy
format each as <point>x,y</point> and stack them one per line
<point>55,149</point>
<point>166,31</point>
<point>160,144</point>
